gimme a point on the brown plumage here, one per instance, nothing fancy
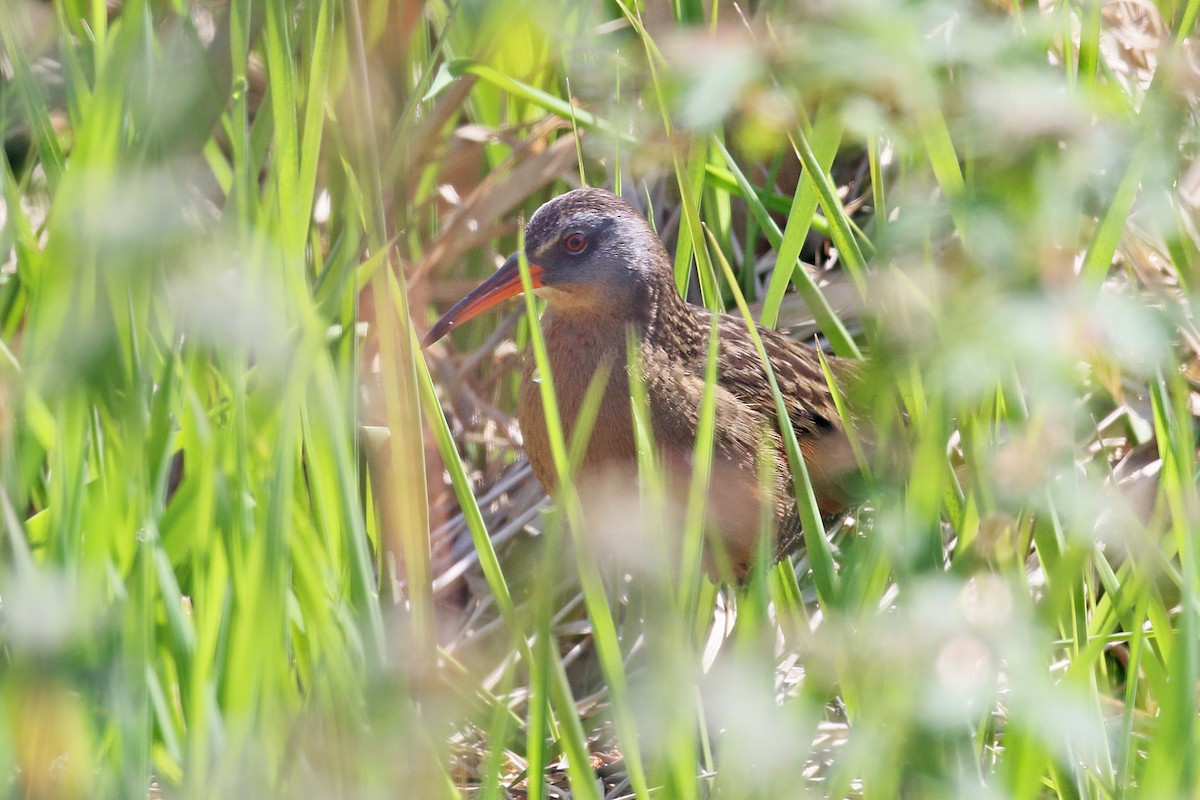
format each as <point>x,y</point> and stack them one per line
<point>603,271</point>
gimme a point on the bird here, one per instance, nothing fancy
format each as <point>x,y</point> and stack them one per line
<point>604,273</point>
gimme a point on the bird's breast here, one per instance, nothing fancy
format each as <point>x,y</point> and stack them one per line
<point>577,357</point>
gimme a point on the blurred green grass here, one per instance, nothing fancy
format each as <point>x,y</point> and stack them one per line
<point>255,541</point>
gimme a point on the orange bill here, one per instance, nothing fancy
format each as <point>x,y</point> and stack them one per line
<point>503,284</point>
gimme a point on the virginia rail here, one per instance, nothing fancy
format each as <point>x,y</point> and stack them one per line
<point>602,272</point>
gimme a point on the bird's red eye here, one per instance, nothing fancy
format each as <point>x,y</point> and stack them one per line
<point>575,243</point>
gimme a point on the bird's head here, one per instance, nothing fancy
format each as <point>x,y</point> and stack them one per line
<point>589,253</point>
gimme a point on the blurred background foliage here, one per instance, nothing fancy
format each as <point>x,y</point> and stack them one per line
<point>255,542</point>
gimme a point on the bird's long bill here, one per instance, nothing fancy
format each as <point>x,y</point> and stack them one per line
<point>504,283</point>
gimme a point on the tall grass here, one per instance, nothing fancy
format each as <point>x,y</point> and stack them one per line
<point>256,541</point>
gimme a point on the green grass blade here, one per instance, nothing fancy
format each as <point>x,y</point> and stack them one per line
<point>841,341</point>
<point>817,546</point>
<point>827,135</point>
